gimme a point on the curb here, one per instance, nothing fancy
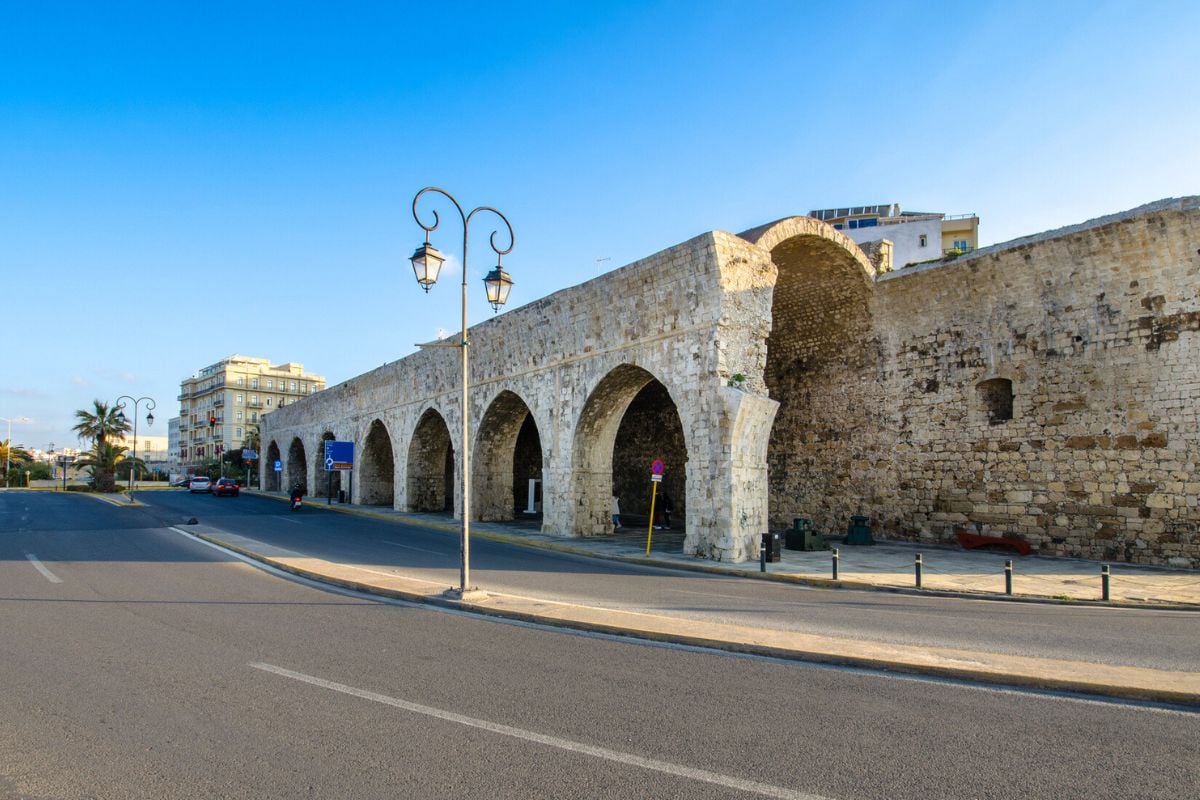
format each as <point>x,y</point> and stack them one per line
<point>976,675</point>
<point>714,569</point>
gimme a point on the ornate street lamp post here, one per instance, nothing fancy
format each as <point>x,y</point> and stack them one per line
<point>150,406</point>
<point>427,263</point>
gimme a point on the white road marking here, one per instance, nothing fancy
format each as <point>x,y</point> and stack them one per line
<point>40,567</point>
<point>739,784</point>
<point>410,547</point>
<point>287,519</point>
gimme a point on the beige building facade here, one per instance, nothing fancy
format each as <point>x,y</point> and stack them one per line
<point>1046,388</point>
<point>224,401</point>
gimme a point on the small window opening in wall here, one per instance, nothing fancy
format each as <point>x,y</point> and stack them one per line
<point>997,398</point>
<point>924,240</point>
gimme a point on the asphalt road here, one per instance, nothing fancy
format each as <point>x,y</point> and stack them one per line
<point>136,662</point>
<point>1156,638</point>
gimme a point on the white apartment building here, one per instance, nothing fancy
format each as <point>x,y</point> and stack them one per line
<point>916,236</point>
<point>219,404</point>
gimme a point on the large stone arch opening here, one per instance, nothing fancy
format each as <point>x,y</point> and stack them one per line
<point>431,465</point>
<point>297,466</point>
<point>508,454</point>
<point>273,478</point>
<point>824,369</point>
<point>326,484</point>
<point>629,420</point>
<point>377,468</point>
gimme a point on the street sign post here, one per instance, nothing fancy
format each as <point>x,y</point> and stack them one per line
<point>338,456</point>
<point>656,474</point>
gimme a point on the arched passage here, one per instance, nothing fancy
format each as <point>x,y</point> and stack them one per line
<point>273,478</point>
<point>297,466</point>
<point>431,465</point>
<point>377,468</point>
<point>508,454</point>
<point>628,421</point>
<point>325,484</point>
<point>823,360</point>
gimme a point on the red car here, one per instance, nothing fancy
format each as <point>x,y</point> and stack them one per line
<point>225,486</point>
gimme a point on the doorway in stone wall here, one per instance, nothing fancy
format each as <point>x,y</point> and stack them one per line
<point>273,479</point>
<point>629,421</point>
<point>297,466</point>
<point>377,468</point>
<point>508,456</point>
<point>430,484</point>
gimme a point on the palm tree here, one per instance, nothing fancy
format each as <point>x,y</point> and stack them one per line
<point>13,456</point>
<point>100,425</point>
<point>103,460</point>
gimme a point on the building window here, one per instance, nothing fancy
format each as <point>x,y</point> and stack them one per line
<point>239,399</point>
<point>239,416</point>
<point>924,240</point>
<point>241,380</point>
<point>254,383</point>
<point>961,244</point>
<point>270,383</point>
<point>253,399</point>
<point>869,222</point>
<point>293,386</point>
<point>254,416</point>
<point>268,401</point>
<point>238,431</point>
<point>996,397</point>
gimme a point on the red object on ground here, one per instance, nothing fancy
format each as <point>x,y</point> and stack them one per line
<point>969,541</point>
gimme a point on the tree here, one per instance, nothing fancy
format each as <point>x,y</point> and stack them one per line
<point>252,439</point>
<point>102,461</point>
<point>16,458</point>
<point>100,425</point>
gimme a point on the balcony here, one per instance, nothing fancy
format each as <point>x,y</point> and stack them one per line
<point>957,251</point>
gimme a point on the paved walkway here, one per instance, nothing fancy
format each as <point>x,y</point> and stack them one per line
<point>881,566</point>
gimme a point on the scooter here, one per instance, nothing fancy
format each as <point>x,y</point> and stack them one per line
<point>296,502</point>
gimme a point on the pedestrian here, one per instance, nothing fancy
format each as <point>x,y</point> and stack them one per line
<point>616,512</point>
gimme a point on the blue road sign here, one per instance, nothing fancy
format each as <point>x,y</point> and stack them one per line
<point>248,454</point>
<point>279,466</point>
<point>339,455</point>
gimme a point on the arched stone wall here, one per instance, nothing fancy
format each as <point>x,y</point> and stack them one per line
<point>430,454</point>
<point>594,444</point>
<point>377,467</point>
<point>824,362</point>
<point>493,466</point>
<point>650,429</point>
<point>270,478</point>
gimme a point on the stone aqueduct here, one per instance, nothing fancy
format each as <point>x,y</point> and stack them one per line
<point>1045,388</point>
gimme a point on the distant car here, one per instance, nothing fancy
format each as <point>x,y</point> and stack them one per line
<point>182,482</point>
<point>225,486</point>
<point>200,485</point>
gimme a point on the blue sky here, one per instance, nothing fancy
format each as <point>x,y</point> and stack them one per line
<point>181,181</point>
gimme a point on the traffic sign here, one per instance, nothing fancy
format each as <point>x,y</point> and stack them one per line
<point>338,455</point>
<point>656,478</point>
<point>279,466</point>
<point>249,454</point>
<point>658,467</point>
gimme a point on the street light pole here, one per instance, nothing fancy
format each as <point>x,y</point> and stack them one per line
<point>150,406</point>
<point>8,445</point>
<point>427,262</point>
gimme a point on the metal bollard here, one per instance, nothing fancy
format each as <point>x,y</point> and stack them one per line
<point>917,564</point>
<point>1008,577</point>
<point>762,556</point>
<point>835,563</point>
<point>1104,582</point>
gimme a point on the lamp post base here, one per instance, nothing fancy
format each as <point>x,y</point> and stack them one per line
<point>469,596</point>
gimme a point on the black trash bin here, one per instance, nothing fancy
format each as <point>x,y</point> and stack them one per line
<point>772,543</point>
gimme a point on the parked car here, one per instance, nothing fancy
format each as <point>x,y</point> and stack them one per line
<point>225,486</point>
<point>200,484</point>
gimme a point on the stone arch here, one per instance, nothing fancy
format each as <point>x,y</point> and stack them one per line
<point>823,368</point>
<point>325,484</point>
<point>297,465</point>
<point>508,453</point>
<point>431,465</point>
<point>629,419</point>
<point>377,468</point>
<point>272,480</point>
